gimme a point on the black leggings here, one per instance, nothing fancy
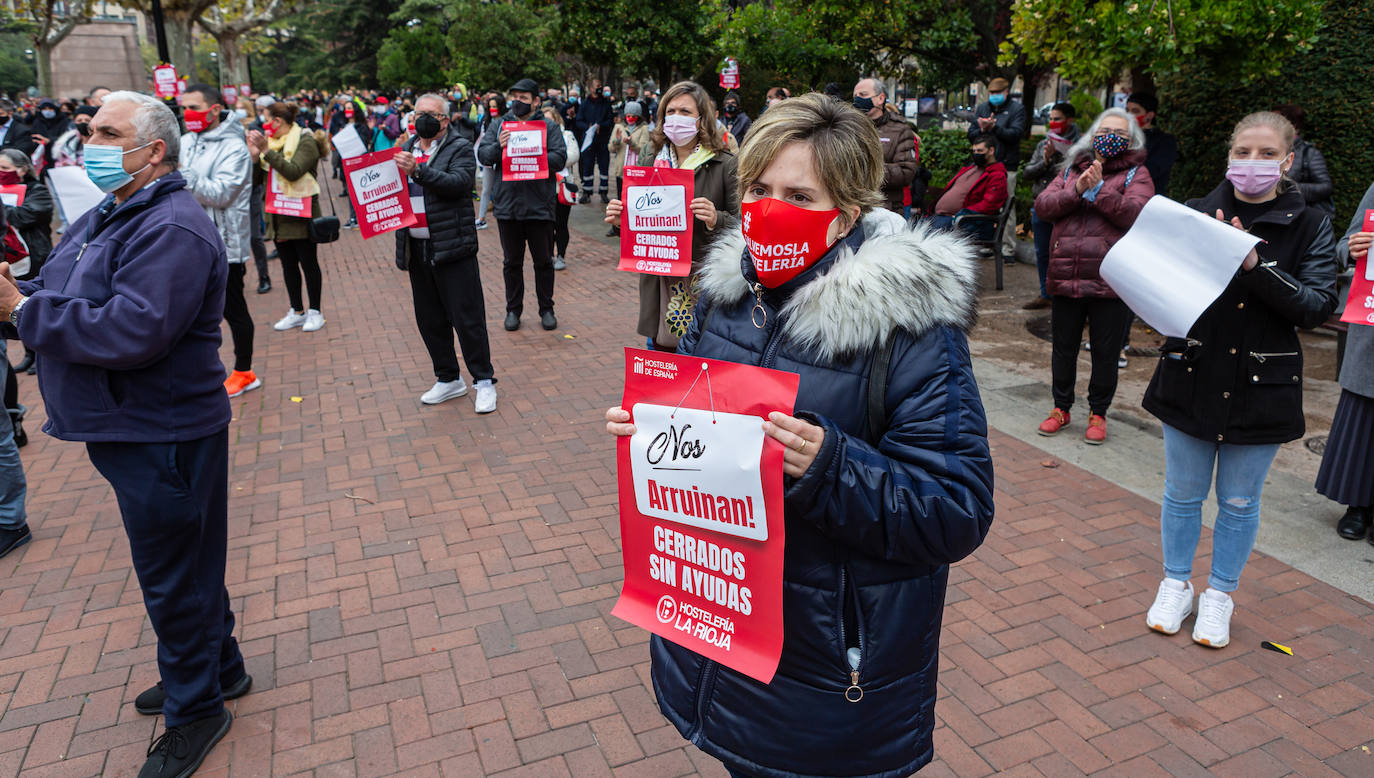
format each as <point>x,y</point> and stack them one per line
<point>1106,319</point>
<point>237,317</point>
<point>560,230</point>
<point>297,256</point>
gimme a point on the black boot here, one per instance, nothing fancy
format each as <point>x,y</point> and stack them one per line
<point>23,366</point>
<point>1354,525</point>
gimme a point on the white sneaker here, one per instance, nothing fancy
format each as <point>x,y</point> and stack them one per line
<point>1213,625</point>
<point>314,320</point>
<point>291,319</point>
<point>444,390</point>
<point>1173,603</point>
<point>485,401</point>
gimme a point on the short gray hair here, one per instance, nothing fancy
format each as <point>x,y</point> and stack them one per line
<point>152,120</point>
<point>19,159</point>
<point>434,96</point>
<point>879,88</point>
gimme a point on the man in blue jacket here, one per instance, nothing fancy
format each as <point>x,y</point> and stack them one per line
<point>596,116</point>
<point>126,314</point>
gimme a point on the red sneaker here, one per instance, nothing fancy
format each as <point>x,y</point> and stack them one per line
<point>1057,421</point>
<point>241,381</point>
<point>1097,431</point>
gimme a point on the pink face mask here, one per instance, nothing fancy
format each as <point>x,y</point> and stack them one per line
<point>1253,177</point>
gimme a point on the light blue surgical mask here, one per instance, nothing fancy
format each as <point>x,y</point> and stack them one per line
<point>105,166</point>
<point>997,99</point>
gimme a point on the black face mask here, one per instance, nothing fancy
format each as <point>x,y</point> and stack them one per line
<point>517,107</point>
<point>731,110</point>
<point>979,159</point>
<point>427,126</point>
<point>84,129</point>
<point>864,104</point>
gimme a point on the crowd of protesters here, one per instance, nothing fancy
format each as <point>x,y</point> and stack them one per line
<point>126,351</point>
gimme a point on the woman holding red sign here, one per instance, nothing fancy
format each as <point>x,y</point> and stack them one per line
<point>888,473</point>
<point>288,155</point>
<point>1231,392</point>
<point>687,137</point>
<point>1347,470</point>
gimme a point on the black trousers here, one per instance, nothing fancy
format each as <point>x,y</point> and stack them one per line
<point>237,317</point>
<point>561,235</point>
<point>174,500</point>
<point>299,256</point>
<point>597,155</point>
<point>255,227</point>
<point>538,235</point>
<point>448,298</point>
<point>1106,319</point>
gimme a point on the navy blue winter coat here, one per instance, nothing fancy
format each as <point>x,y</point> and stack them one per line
<point>872,526</point>
<point>125,315</point>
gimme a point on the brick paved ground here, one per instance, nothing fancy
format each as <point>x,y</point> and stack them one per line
<point>423,591</point>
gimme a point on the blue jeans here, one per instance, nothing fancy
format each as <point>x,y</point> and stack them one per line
<point>980,230</point>
<point>1043,232</point>
<point>13,486</point>
<point>1240,472</point>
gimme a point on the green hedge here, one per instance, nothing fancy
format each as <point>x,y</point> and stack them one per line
<point>1333,84</point>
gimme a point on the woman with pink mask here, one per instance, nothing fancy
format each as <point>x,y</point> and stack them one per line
<point>1231,392</point>
<point>687,137</point>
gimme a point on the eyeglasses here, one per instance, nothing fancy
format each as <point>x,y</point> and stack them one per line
<point>431,114</point>
<point>1118,133</point>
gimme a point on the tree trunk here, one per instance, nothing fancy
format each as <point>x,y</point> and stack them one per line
<point>180,27</point>
<point>233,65</point>
<point>43,51</point>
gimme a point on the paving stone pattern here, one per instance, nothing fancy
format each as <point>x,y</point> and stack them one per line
<point>422,591</point>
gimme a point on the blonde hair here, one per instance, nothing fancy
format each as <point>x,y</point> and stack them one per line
<point>552,114</point>
<point>1271,120</point>
<point>708,131</point>
<point>844,148</point>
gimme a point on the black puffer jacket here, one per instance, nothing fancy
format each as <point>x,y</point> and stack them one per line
<point>1310,173</point>
<point>523,200</point>
<point>33,220</point>
<point>447,180</point>
<point>1237,378</point>
<point>872,526</point>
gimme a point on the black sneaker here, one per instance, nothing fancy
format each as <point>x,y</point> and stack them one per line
<point>149,703</point>
<point>265,286</point>
<point>10,539</point>
<point>548,321</point>
<point>180,750</point>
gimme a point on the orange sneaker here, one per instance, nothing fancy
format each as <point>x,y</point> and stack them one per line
<point>1057,421</point>
<point>1097,431</point>
<point>241,381</point>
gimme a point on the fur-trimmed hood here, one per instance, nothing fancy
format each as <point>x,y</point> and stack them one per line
<point>899,278</point>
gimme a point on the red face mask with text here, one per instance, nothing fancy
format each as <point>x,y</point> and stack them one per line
<point>784,239</point>
<point>1058,127</point>
<point>196,120</point>
<point>269,129</point>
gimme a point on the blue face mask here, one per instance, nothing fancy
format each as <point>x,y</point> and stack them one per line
<point>105,166</point>
<point>997,99</point>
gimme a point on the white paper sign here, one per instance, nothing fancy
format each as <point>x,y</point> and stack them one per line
<point>377,181</point>
<point>74,191</point>
<point>589,137</point>
<point>8,198</point>
<point>1173,263</point>
<point>656,208</point>
<point>699,468</point>
<point>349,143</point>
<point>525,143</point>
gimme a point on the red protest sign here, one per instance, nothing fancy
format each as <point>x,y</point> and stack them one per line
<point>245,90</point>
<point>278,203</point>
<point>526,156</point>
<point>165,82</point>
<point>378,191</point>
<point>13,195</point>
<point>1359,306</point>
<point>656,225</point>
<point>729,74</point>
<point>701,495</point>
<point>231,96</point>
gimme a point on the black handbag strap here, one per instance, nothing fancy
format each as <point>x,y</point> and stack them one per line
<point>327,195</point>
<point>877,390</point>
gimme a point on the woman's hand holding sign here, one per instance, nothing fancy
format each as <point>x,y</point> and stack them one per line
<point>802,439</point>
<point>705,210</point>
<point>613,211</point>
<point>1360,243</point>
<point>1251,259</point>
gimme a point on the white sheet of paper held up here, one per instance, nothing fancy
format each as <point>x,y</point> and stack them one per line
<point>1173,263</point>
<point>349,142</point>
<point>74,191</point>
